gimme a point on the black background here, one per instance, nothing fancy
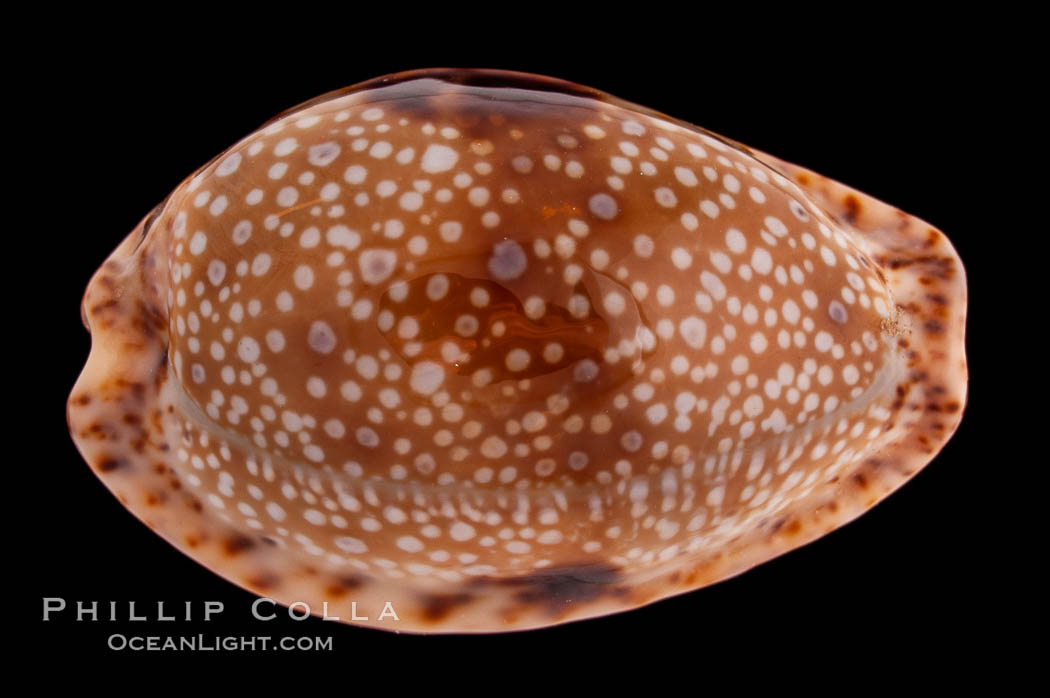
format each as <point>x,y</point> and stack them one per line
<point>120,118</point>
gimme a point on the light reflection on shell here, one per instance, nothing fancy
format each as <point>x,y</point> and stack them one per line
<point>507,352</point>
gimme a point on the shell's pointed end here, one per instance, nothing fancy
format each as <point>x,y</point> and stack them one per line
<point>483,351</point>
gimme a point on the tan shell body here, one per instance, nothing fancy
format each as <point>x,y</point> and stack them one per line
<point>505,352</point>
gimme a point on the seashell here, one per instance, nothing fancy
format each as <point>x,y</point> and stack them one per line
<point>506,352</point>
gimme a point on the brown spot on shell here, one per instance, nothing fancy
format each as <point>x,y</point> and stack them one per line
<point>853,208</point>
<point>111,464</point>
<point>437,607</point>
<point>156,498</point>
<point>263,582</point>
<point>343,585</point>
<point>558,588</point>
<point>237,545</point>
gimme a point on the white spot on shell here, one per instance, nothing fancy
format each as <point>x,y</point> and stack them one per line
<point>198,242</point>
<point>350,545</point>
<point>216,271</point>
<point>377,265</point>
<point>693,331</point>
<point>439,158</point>
<point>248,350</point>
<point>323,154</point>
<point>341,236</point>
<point>585,371</point>
<point>603,206</point>
<point>427,377</point>
<point>229,165</point>
<point>508,260</point>
<point>735,241</point>
<point>837,312</point>
<point>321,338</point>
<point>285,147</point>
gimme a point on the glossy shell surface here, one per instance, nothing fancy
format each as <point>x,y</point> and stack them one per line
<point>506,352</point>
